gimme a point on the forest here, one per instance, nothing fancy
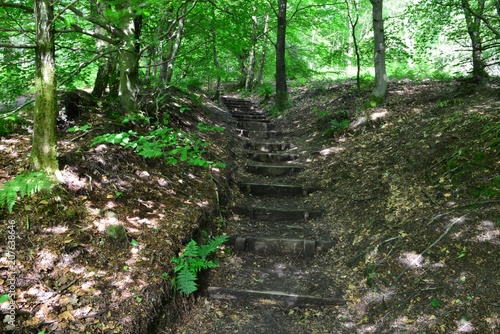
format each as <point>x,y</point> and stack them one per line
<point>125,159</point>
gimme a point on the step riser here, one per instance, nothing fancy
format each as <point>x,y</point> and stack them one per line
<point>277,215</point>
<point>252,134</point>
<point>274,171</point>
<point>268,147</point>
<point>275,297</point>
<point>274,246</point>
<point>275,190</point>
<point>251,117</point>
<point>271,157</point>
<point>255,126</point>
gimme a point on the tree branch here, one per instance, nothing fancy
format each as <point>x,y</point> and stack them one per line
<point>27,9</point>
<point>115,31</point>
<point>10,45</point>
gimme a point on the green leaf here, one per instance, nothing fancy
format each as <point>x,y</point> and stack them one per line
<point>435,303</point>
<point>134,242</point>
<point>4,298</point>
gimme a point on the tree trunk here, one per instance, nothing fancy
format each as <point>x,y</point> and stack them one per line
<point>378,92</point>
<point>44,149</point>
<point>97,9</point>
<point>129,63</point>
<point>473,29</point>
<point>263,54</point>
<point>251,59</point>
<point>354,22</point>
<point>281,99</point>
<point>175,48</point>
<point>217,66</point>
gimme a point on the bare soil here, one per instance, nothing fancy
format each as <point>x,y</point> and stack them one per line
<point>411,197</point>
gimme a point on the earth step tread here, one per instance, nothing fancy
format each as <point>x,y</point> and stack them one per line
<point>282,246</point>
<point>289,300</point>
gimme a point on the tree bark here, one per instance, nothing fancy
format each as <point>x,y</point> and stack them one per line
<point>44,149</point>
<point>354,22</point>
<point>103,72</point>
<point>281,99</point>
<point>263,53</point>
<point>129,62</point>
<point>378,92</point>
<point>251,59</point>
<point>473,29</point>
<point>217,66</point>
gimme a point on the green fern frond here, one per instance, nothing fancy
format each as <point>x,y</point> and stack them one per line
<point>27,184</point>
<point>191,261</point>
<point>185,282</point>
<point>191,249</point>
<point>212,245</point>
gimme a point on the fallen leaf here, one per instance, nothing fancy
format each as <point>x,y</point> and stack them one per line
<point>66,316</point>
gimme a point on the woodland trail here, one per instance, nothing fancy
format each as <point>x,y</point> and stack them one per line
<point>275,268</point>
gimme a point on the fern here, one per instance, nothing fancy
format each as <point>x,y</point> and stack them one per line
<point>27,184</point>
<point>193,260</point>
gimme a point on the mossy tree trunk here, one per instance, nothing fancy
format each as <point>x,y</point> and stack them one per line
<point>281,99</point>
<point>44,150</point>
<point>378,93</point>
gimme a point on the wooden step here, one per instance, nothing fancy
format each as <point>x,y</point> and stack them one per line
<point>288,300</point>
<point>277,214</point>
<point>250,117</point>
<point>271,157</point>
<point>263,189</point>
<point>253,134</point>
<point>254,125</point>
<point>268,147</point>
<point>280,246</point>
<point>274,170</point>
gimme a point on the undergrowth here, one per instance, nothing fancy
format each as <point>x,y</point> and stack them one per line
<point>164,142</point>
<point>191,261</point>
<point>26,184</point>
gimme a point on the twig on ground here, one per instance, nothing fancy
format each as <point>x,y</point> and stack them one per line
<point>396,280</point>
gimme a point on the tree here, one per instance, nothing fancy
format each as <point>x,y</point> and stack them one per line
<point>281,99</point>
<point>378,92</point>
<point>353,22</point>
<point>43,152</point>
<point>474,30</point>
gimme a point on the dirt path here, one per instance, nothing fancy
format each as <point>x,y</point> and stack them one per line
<point>395,197</point>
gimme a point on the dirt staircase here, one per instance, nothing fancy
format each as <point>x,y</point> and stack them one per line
<point>276,265</point>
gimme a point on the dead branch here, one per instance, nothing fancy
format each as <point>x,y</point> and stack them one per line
<point>396,280</point>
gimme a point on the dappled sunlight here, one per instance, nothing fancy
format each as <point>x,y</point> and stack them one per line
<point>488,232</point>
<point>377,115</point>
<point>331,150</point>
<point>122,280</point>
<point>411,259</point>
<point>138,222</point>
<point>203,204</point>
<point>464,326</point>
<point>59,229</point>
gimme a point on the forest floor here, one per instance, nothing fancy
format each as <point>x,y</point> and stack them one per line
<point>411,191</point>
